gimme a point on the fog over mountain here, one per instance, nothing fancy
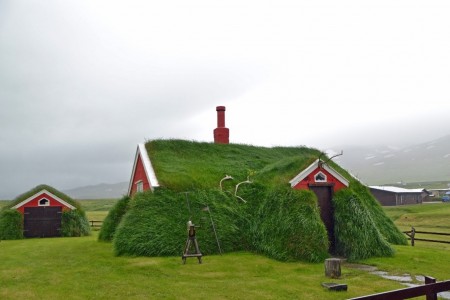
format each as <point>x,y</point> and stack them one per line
<point>375,165</point>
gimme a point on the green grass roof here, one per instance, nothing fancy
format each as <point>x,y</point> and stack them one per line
<point>183,165</point>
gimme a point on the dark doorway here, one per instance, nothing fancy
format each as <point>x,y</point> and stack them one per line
<point>324,194</point>
<point>42,221</point>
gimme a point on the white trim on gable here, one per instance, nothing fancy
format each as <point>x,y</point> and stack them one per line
<point>41,193</point>
<point>148,168</point>
<point>297,179</point>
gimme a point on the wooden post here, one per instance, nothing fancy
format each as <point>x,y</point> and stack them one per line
<point>333,267</point>
<point>413,233</point>
<point>428,280</point>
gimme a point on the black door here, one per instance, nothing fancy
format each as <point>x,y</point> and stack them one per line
<point>324,194</point>
<point>43,221</point>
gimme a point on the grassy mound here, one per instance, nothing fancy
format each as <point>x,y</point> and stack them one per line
<point>113,219</point>
<point>156,224</point>
<point>73,223</point>
<point>357,235</point>
<point>286,226</point>
<point>384,224</point>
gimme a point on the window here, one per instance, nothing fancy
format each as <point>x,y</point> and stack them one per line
<point>139,186</point>
<point>320,177</point>
<point>44,202</point>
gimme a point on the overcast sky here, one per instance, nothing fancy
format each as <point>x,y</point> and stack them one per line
<point>82,82</point>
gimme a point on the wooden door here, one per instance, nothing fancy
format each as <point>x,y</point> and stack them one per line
<point>43,221</point>
<point>324,194</point>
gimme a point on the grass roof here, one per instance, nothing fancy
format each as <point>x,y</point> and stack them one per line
<point>183,165</point>
<point>39,188</point>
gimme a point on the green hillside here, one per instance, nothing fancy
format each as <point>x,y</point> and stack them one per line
<point>265,216</point>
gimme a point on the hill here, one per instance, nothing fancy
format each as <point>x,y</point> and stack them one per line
<point>99,191</point>
<point>425,162</point>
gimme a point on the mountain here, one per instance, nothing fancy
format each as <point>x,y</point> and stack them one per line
<point>99,191</point>
<point>377,165</point>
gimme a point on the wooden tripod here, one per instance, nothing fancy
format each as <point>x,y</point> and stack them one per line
<point>191,249</point>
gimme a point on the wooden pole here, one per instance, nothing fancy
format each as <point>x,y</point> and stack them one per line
<point>413,233</point>
<point>428,280</point>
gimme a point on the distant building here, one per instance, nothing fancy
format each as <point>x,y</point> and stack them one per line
<point>438,193</point>
<point>392,195</point>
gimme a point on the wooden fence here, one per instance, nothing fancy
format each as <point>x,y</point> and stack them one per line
<point>96,224</point>
<point>430,289</point>
<point>412,236</point>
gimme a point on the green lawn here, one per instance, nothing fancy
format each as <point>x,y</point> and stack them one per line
<point>83,268</point>
<point>425,217</point>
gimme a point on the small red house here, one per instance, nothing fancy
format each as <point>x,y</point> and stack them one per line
<point>42,214</point>
<point>323,181</point>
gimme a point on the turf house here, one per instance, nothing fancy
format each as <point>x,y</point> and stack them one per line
<point>43,212</point>
<point>288,203</point>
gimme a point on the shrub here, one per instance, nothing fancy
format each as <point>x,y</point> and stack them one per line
<point>74,223</point>
<point>11,225</point>
<point>113,219</point>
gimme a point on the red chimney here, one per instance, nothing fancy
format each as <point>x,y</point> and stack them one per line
<point>221,133</point>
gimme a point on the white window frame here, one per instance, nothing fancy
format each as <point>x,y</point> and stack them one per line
<point>139,186</point>
<point>320,173</point>
<point>47,203</point>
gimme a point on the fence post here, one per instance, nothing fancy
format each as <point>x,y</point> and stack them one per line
<point>413,233</point>
<point>428,280</point>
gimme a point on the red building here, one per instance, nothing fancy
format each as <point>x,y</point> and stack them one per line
<point>324,181</point>
<point>143,176</point>
<point>42,214</point>
<point>319,174</point>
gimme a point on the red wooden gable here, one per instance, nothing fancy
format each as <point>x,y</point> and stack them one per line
<point>43,198</point>
<point>319,174</point>
<point>142,176</point>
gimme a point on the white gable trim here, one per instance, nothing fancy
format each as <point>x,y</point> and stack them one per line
<point>41,193</point>
<point>149,171</point>
<point>297,179</point>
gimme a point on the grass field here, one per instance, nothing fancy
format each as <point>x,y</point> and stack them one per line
<point>83,268</point>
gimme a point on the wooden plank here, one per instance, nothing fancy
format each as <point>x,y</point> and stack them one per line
<point>407,293</point>
<point>433,233</point>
